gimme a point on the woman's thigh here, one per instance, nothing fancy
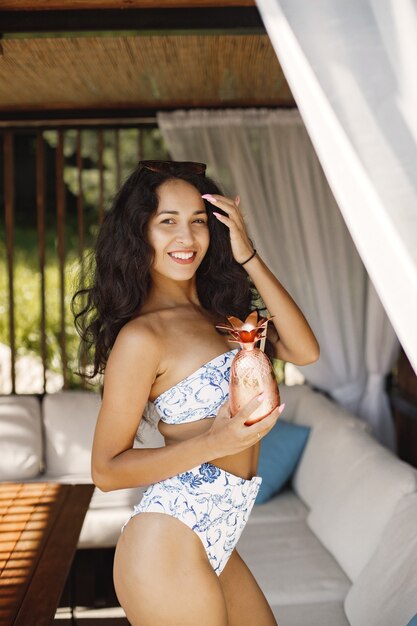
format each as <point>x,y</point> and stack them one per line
<point>163,577</point>
<point>245,601</point>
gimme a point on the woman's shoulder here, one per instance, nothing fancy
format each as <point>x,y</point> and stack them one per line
<point>140,329</point>
<point>136,343</point>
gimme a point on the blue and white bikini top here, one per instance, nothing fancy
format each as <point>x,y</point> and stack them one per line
<point>198,396</point>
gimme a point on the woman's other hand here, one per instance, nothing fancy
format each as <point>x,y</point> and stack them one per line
<point>241,244</point>
<point>229,435</point>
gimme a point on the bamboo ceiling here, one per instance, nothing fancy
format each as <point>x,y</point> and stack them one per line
<point>154,71</point>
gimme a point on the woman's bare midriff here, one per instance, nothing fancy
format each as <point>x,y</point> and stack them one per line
<point>244,464</point>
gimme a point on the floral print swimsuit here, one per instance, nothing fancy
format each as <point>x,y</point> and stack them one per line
<point>214,503</point>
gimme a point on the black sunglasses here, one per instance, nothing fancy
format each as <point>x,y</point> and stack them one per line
<point>174,167</point>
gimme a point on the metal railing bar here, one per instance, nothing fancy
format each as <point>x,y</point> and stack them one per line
<point>80,219</point>
<point>9,228</point>
<point>40,217</point>
<point>117,155</point>
<point>140,145</point>
<point>100,147</point>
<point>80,204</point>
<point>60,209</point>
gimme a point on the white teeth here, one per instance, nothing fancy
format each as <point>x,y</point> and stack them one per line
<point>182,255</point>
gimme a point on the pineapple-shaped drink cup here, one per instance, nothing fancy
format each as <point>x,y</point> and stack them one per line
<point>251,371</point>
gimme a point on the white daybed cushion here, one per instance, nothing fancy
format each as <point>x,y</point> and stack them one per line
<point>292,395</point>
<point>385,592</point>
<point>70,418</point>
<point>311,614</point>
<point>284,507</point>
<point>314,408</point>
<point>106,516</point>
<point>20,438</point>
<point>327,421</point>
<point>320,456</point>
<point>363,485</point>
<point>289,563</point>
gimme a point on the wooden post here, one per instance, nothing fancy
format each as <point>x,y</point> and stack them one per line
<point>40,217</point>
<point>404,402</point>
<point>60,211</point>
<point>101,176</point>
<point>9,227</point>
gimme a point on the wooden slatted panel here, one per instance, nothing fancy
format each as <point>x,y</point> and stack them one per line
<point>8,153</point>
<point>141,72</point>
<point>52,569</point>
<point>25,512</point>
<point>40,212</point>
<point>39,528</point>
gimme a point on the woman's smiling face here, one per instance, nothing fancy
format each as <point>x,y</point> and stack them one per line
<point>178,231</point>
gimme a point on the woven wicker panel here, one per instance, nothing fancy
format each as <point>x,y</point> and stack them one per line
<point>142,71</point>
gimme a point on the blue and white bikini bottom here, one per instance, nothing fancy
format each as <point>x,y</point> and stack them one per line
<point>212,502</point>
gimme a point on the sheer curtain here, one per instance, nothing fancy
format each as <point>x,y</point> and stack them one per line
<point>351,67</point>
<point>267,157</point>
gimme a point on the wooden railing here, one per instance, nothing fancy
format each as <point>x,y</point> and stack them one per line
<point>111,161</point>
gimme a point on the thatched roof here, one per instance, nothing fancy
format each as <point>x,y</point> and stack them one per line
<point>147,69</point>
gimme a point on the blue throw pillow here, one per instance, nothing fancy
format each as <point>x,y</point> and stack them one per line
<point>280,452</point>
<point>413,621</point>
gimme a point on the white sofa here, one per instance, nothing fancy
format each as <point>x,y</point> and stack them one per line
<point>339,547</point>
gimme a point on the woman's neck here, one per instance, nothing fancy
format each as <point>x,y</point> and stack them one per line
<point>167,293</point>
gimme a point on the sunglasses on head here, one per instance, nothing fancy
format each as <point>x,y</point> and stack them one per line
<point>174,167</point>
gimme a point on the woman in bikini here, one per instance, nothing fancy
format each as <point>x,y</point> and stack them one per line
<point>173,259</point>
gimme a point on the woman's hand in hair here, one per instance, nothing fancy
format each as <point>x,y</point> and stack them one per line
<point>230,435</point>
<point>242,246</point>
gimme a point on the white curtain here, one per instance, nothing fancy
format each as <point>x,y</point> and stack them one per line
<point>267,157</point>
<point>351,67</point>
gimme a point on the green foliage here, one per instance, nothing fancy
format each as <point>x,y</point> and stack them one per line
<point>27,305</point>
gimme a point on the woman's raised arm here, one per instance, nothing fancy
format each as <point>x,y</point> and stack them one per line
<point>294,340</point>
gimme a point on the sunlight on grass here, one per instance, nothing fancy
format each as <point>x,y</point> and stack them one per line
<point>27,302</point>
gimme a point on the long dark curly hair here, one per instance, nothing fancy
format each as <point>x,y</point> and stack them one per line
<point>119,273</point>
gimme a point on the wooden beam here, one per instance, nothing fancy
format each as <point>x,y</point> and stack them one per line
<point>47,116</point>
<point>96,121</point>
<point>62,5</point>
<point>145,19</point>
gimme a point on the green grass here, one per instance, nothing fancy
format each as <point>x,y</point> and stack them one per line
<point>27,303</point>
